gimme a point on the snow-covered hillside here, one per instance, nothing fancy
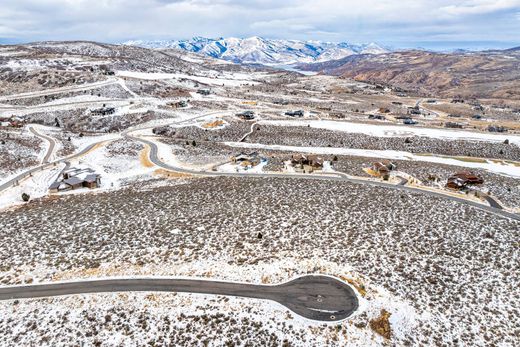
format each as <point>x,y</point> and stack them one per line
<point>264,51</point>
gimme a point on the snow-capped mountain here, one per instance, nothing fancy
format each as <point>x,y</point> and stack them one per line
<point>257,50</point>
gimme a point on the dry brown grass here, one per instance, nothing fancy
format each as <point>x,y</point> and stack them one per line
<point>171,174</point>
<point>213,124</point>
<point>371,172</point>
<point>144,157</point>
<point>381,324</point>
<point>96,147</point>
<point>360,287</point>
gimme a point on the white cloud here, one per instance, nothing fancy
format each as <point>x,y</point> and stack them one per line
<point>368,20</point>
<point>477,7</point>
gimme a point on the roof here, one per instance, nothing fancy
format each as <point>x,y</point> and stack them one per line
<point>55,185</point>
<point>73,181</point>
<point>466,175</point>
<point>243,157</point>
<point>298,157</point>
<point>381,167</point>
<point>315,158</point>
<point>91,178</point>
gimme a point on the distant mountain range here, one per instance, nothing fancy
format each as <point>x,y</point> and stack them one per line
<point>492,74</point>
<point>258,50</point>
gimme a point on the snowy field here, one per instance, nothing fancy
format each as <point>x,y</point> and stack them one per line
<point>396,131</point>
<point>428,271</point>
<point>229,80</point>
<point>418,269</point>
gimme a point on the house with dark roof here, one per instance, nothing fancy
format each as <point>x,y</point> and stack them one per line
<point>307,163</point>
<point>247,159</point>
<point>75,178</point>
<point>74,182</point>
<point>297,113</point>
<point>246,115</point>
<point>103,111</point>
<point>463,179</point>
<point>54,187</point>
<point>204,91</point>
<point>383,168</point>
<point>92,181</point>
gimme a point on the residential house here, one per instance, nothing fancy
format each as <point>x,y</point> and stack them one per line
<point>55,187</point>
<point>247,160</point>
<point>73,182</point>
<point>383,168</point>
<point>298,113</point>
<point>453,125</point>
<point>246,115</point>
<point>462,179</point>
<point>204,91</point>
<point>496,129</point>
<point>307,163</point>
<point>103,111</point>
<point>409,121</point>
<point>178,104</point>
<point>75,178</point>
<point>92,181</point>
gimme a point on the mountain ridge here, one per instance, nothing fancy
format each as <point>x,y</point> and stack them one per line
<point>258,50</point>
<point>461,74</point>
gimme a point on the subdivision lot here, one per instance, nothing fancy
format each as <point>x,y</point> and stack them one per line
<point>304,136</point>
<point>443,258</point>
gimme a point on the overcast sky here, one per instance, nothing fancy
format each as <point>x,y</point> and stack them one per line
<point>399,23</point>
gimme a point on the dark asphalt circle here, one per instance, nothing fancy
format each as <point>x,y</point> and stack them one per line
<point>314,297</point>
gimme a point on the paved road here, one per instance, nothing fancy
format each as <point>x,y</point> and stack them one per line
<point>492,202</point>
<point>29,172</point>
<point>253,127</point>
<point>82,87</point>
<point>402,181</point>
<point>320,298</point>
<point>10,108</point>
<point>52,144</point>
<point>337,176</point>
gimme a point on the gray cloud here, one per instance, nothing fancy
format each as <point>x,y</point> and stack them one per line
<point>404,21</point>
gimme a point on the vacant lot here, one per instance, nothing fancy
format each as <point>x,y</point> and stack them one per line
<point>444,258</point>
<point>304,136</point>
<point>18,150</point>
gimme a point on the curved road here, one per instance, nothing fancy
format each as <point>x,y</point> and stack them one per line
<point>29,172</point>
<point>52,144</point>
<point>337,176</point>
<point>249,133</point>
<point>10,108</point>
<point>68,89</point>
<point>320,298</point>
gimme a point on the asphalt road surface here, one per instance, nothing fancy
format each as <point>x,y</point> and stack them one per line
<point>29,172</point>
<point>314,297</point>
<point>75,88</point>
<point>338,176</point>
<point>52,144</point>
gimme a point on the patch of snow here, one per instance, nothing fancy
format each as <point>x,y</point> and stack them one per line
<point>229,81</point>
<point>231,167</point>
<point>37,186</point>
<point>396,131</point>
